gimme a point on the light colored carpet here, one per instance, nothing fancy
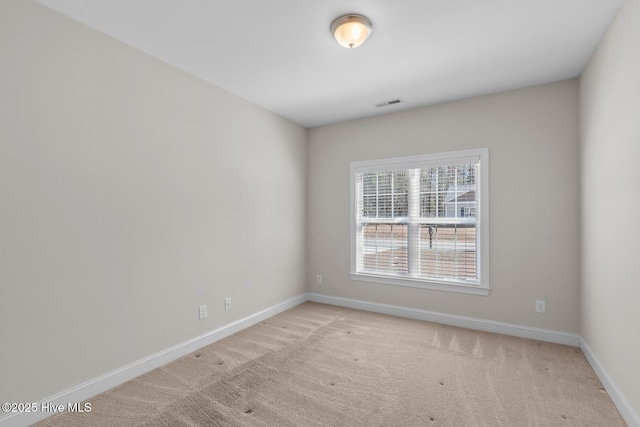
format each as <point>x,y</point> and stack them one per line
<point>320,365</point>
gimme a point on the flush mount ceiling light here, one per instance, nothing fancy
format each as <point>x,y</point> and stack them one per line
<point>351,30</point>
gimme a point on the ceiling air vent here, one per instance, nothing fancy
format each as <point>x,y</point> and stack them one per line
<point>390,102</point>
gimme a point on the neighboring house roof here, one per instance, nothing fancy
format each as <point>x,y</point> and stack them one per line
<point>461,193</point>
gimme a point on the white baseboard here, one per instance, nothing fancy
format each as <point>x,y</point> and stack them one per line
<point>112,379</point>
<point>627,412</point>
<point>453,320</point>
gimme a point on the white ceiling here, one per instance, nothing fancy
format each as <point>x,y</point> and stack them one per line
<point>280,55</point>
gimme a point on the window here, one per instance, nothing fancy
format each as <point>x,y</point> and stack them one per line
<point>422,221</point>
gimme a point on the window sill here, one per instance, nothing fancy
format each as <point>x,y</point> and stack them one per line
<point>415,283</point>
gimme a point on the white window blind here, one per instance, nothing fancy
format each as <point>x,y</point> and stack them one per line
<point>420,218</point>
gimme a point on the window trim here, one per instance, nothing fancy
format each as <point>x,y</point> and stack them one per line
<point>421,161</point>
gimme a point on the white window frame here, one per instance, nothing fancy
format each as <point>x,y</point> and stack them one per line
<point>479,287</point>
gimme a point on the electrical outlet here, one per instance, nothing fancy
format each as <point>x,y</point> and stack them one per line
<point>227,303</point>
<point>319,279</point>
<point>202,311</point>
<point>541,306</point>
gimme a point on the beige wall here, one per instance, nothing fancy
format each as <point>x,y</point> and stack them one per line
<point>130,194</point>
<point>609,154</point>
<point>532,136</point>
